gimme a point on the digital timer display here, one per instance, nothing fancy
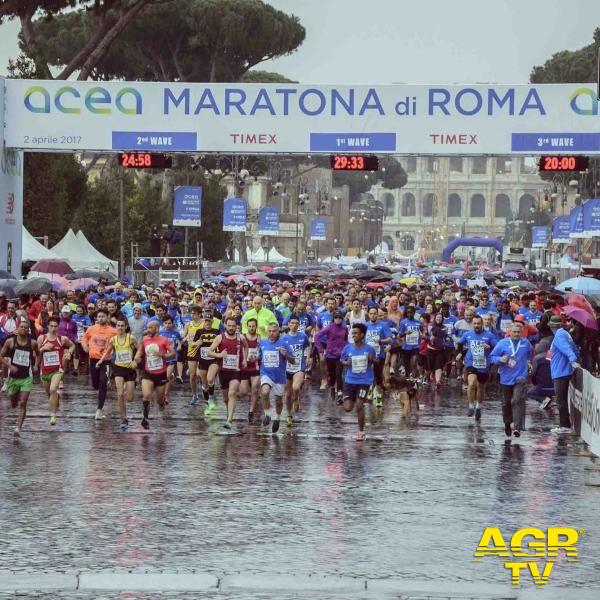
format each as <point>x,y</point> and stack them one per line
<point>145,160</point>
<point>563,163</point>
<point>354,162</point>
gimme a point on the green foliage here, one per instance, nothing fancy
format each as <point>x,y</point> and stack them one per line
<point>264,77</point>
<point>202,40</point>
<point>577,66</point>
<point>53,188</point>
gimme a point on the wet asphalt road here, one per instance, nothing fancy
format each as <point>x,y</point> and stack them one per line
<point>410,503</point>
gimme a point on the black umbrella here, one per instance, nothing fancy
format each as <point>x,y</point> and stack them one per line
<point>6,275</point>
<point>7,287</point>
<point>35,285</point>
<point>280,276</point>
<point>97,274</point>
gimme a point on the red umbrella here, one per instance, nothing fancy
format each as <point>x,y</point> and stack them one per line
<point>581,316</point>
<point>52,266</point>
<point>266,268</point>
<point>580,301</point>
<point>378,284</point>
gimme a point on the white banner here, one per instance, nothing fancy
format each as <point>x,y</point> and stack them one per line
<point>11,211</point>
<point>584,403</point>
<point>272,118</point>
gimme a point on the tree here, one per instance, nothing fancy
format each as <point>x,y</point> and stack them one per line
<point>264,77</point>
<point>203,40</point>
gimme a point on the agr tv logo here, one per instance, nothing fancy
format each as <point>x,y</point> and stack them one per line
<point>530,544</point>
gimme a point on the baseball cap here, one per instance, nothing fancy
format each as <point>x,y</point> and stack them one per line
<point>137,305</point>
<point>65,310</point>
<point>554,322</point>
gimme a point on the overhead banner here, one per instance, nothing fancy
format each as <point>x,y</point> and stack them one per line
<point>234,214</point>
<point>576,222</point>
<point>540,236</point>
<point>268,221</point>
<point>318,229</point>
<point>277,118</point>
<point>561,227</point>
<point>591,218</point>
<point>187,206</point>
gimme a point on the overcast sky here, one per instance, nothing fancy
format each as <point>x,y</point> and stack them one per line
<point>420,41</point>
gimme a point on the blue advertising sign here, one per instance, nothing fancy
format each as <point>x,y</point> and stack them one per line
<point>318,229</point>
<point>576,222</point>
<point>187,206</point>
<point>591,218</point>
<point>561,227</point>
<point>540,236</point>
<point>234,214</point>
<point>268,221</point>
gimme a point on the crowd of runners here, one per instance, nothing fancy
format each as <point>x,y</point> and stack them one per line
<point>265,343</point>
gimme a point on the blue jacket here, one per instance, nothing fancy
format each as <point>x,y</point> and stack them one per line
<point>520,352</point>
<point>564,353</point>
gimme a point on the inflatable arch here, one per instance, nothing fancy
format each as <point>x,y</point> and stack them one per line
<point>480,242</point>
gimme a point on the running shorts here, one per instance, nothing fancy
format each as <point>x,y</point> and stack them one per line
<point>277,389</point>
<point>247,375</point>
<point>354,391</point>
<point>481,377</point>
<point>14,386</point>
<point>226,377</point>
<point>158,379</point>
<point>124,372</point>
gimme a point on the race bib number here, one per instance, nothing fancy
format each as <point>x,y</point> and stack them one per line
<point>373,340</point>
<point>449,327</point>
<point>359,363</point>
<point>271,358</point>
<point>302,327</point>
<point>511,362</point>
<point>204,353</point>
<point>154,362</point>
<point>99,342</point>
<point>252,355</point>
<point>80,333</point>
<point>51,359</point>
<point>231,362</point>
<point>21,358</point>
<point>412,337</point>
<point>505,324</point>
<point>123,357</point>
<point>478,353</point>
<point>296,367</point>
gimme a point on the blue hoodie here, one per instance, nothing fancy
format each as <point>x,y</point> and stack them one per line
<point>564,353</point>
<point>520,352</point>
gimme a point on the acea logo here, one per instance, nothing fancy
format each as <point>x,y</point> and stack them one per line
<point>69,100</point>
<point>588,105</point>
<point>531,552</point>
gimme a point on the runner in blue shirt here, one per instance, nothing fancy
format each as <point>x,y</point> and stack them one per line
<point>301,347</point>
<point>306,320</point>
<point>358,358</point>
<point>83,321</point>
<point>378,335</point>
<point>476,346</point>
<point>409,332</point>
<point>449,349</point>
<point>273,354</point>
<point>168,330</point>
<point>324,318</point>
<point>513,355</point>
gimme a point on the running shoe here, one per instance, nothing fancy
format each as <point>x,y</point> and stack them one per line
<point>340,399</point>
<point>296,405</point>
<point>75,373</point>
<point>4,387</point>
<point>179,379</point>
<point>478,414</point>
<point>145,424</point>
<point>53,420</point>
<point>210,408</point>
<point>507,429</point>
<point>360,436</point>
<point>289,421</point>
<point>471,411</point>
<point>17,432</point>
<point>250,416</point>
<point>61,385</point>
<point>545,402</point>
<point>194,400</point>
<point>124,424</point>
<point>560,430</point>
<point>275,426</point>
<point>378,397</point>
<point>323,386</point>
<point>99,415</point>
<point>227,424</point>
<point>517,433</point>
<point>266,420</point>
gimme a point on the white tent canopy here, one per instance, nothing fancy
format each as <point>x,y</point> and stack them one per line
<point>33,250</point>
<point>104,262</point>
<point>261,256</point>
<point>79,256</point>
<point>236,254</point>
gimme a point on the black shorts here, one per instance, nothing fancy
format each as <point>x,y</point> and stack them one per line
<point>158,379</point>
<point>290,376</point>
<point>354,391</point>
<point>436,359</point>
<point>182,353</point>
<point>378,372</point>
<point>408,354</point>
<point>449,355</point>
<point>226,377</point>
<point>481,377</point>
<point>247,375</point>
<point>126,373</point>
<point>204,364</point>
